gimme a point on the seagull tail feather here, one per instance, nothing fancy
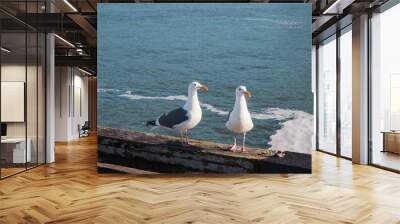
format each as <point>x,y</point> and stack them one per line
<point>151,123</point>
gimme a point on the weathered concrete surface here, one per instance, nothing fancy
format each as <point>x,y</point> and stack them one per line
<point>165,154</point>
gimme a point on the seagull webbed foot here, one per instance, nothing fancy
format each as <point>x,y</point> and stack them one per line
<point>234,148</point>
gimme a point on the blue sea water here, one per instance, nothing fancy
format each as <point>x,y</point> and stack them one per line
<point>149,53</point>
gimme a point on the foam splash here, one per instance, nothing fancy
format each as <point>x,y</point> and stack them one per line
<point>276,113</point>
<point>295,134</point>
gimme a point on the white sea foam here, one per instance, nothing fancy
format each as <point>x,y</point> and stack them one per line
<point>214,109</point>
<point>295,134</point>
<point>267,114</point>
<point>277,21</point>
<point>275,113</point>
<point>107,90</point>
<point>129,95</point>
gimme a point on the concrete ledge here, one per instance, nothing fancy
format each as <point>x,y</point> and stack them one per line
<point>165,154</point>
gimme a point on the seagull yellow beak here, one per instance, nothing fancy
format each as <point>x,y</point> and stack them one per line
<point>247,93</point>
<point>204,88</point>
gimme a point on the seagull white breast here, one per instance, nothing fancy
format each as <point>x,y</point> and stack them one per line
<point>239,120</point>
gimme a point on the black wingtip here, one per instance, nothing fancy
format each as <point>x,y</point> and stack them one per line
<point>151,123</point>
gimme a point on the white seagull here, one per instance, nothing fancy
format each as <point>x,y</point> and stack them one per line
<point>183,118</point>
<point>239,120</point>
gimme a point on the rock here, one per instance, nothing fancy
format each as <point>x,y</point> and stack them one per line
<point>165,154</point>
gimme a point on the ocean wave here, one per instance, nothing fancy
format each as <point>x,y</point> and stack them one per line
<point>214,109</point>
<point>129,95</point>
<point>277,21</point>
<point>295,134</point>
<point>276,113</point>
<point>108,90</point>
<point>272,113</point>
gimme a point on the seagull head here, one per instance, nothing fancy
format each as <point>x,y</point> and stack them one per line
<point>194,86</point>
<point>242,90</point>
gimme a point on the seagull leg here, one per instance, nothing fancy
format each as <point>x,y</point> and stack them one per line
<point>187,139</point>
<point>244,140</point>
<point>234,147</point>
<point>182,138</point>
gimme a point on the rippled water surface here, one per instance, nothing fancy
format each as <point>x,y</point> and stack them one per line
<point>148,54</point>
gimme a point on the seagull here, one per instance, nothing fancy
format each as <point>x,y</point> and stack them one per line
<point>183,118</point>
<point>239,120</point>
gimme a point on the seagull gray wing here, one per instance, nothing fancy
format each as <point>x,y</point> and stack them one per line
<point>172,118</point>
<point>227,119</point>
